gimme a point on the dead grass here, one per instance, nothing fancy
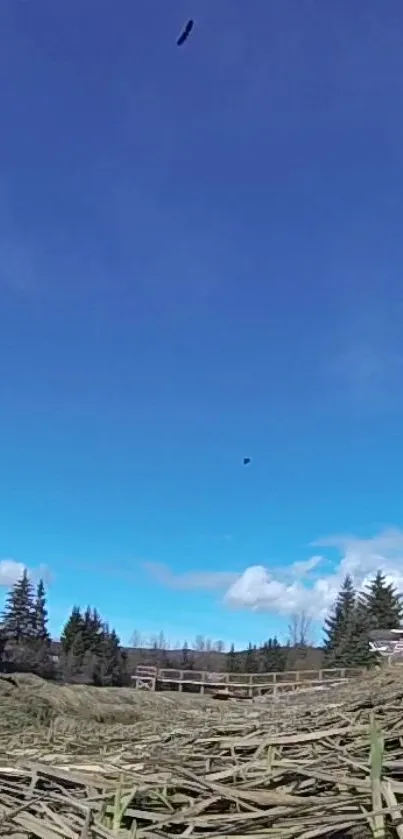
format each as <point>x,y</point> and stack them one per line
<point>324,765</point>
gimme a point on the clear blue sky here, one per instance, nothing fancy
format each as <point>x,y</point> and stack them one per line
<point>201,258</point>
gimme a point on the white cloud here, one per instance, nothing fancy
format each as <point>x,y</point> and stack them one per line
<point>309,585</point>
<point>12,571</point>
<point>261,590</point>
<point>258,590</point>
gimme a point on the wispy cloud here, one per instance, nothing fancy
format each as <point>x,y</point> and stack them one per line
<point>371,376</point>
<point>190,580</point>
<point>367,368</point>
<point>305,566</point>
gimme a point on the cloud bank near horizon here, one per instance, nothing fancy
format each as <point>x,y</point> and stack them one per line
<point>306,585</point>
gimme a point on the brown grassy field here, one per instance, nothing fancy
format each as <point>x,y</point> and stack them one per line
<point>81,762</point>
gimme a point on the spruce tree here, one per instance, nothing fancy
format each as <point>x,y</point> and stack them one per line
<point>272,657</point>
<point>358,652</point>
<point>232,661</point>
<point>347,631</point>
<point>339,627</point>
<point>382,604</point>
<point>40,614</point>
<point>91,652</point>
<point>125,677</point>
<point>18,627</point>
<point>280,656</point>
<point>72,645</point>
<point>251,665</point>
<point>42,663</point>
<point>72,629</point>
<point>92,631</point>
<point>18,616</point>
<point>110,665</point>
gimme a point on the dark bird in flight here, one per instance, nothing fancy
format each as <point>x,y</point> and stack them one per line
<point>185,33</point>
<point>246,460</point>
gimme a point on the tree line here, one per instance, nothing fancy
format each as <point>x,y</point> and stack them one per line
<point>346,633</point>
<point>90,652</point>
<point>354,615</point>
<point>345,638</point>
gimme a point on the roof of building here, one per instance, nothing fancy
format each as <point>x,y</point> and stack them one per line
<point>385,634</point>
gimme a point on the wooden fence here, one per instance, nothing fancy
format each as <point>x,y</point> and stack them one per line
<point>246,684</point>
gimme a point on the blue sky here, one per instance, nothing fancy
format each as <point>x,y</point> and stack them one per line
<point>201,259</point>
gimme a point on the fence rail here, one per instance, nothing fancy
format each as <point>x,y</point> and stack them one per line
<point>248,684</point>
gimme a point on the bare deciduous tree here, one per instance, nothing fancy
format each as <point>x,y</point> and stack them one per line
<point>163,643</point>
<point>299,629</point>
<point>199,643</point>
<point>158,642</point>
<point>136,640</point>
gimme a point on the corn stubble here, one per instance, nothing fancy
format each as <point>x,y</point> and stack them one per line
<point>78,762</point>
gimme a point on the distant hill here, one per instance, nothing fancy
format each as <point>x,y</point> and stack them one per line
<point>307,658</point>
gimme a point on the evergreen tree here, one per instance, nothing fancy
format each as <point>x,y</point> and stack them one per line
<point>232,661</point>
<point>382,603</point>
<point>24,629</point>
<point>92,631</point>
<point>111,666</point>
<point>42,663</point>
<point>126,680</point>
<point>358,651</point>
<point>72,628</point>
<point>251,665</point>
<point>18,616</point>
<point>272,657</point>
<point>339,627</point>
<point>347,631</point>
<point>73,646</point>
<point>91,652</point>
<point>40,614</point>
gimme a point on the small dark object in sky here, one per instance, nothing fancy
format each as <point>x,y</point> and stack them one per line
<point>246,460</point>
<point>185,33</point>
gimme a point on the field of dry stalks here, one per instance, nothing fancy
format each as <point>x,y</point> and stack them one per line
<point>79,762</point>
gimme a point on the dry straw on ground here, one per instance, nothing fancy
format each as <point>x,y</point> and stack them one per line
<point>79,762</point>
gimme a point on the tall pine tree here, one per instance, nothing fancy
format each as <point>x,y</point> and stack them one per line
<point>40,614</point>
<point>42,662</point>
<point>250,659</point>
<point>359,653</point>
<point>111,665</point>
<point>347,631</point>
<point>18,621</point>
<point>382,604</point>
<point>72,628</point>
<point>232,660</point>
<point>339,627</point>
<point>272,657</point>
<point>73,647</point>
<point>91,653</point>
<point>24,629</point>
